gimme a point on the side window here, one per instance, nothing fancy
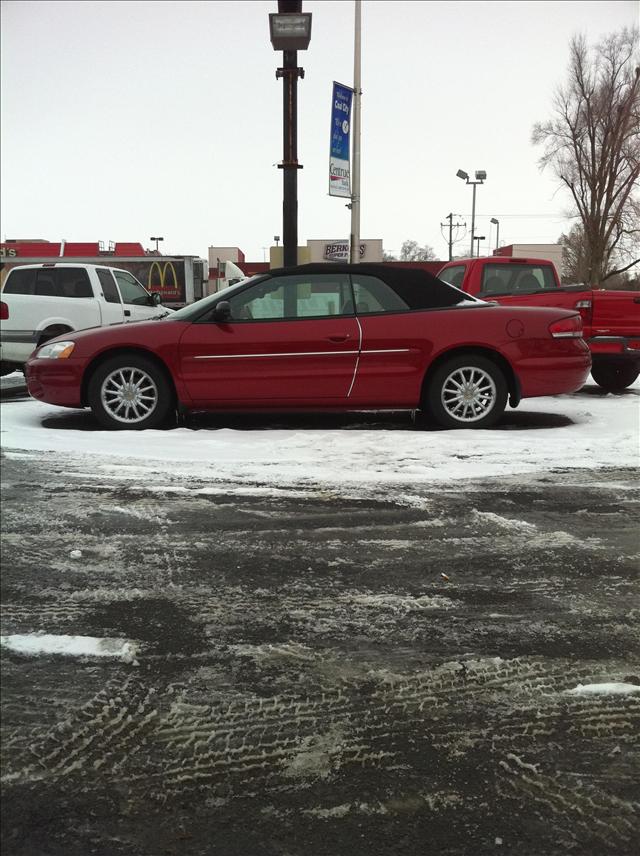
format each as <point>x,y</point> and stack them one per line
<point>73,282</point>
<point>373,295</point>
<point>109,288</point>
<point>453,275</point>
<point>20,282</point>
<point>291,297</point>
<point>130,289</point>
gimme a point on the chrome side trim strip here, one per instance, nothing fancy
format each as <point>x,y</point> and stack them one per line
<point>303,354</point>
<point>388,351</point>
<point>292,354</point>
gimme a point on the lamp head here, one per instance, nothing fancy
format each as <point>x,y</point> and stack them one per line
<point>290,32</point>
<point>481,175</point>
<point>494,221</point>
<point>463,175</point>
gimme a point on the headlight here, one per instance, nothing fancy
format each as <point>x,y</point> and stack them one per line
<point>56,351</point>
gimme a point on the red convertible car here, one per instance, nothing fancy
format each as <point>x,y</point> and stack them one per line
<point>319,337</point>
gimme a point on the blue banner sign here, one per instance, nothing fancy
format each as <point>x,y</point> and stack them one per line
<point>340,150</point>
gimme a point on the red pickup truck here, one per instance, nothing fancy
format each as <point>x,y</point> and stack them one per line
<point>611,319</point>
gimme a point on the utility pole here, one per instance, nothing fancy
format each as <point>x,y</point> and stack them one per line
<point>354,243</point>
<point>450,217</point>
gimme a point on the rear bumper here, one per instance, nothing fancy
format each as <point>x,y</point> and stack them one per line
<point>55,381</point>
<point>564,368</point>
<point>625,347</point>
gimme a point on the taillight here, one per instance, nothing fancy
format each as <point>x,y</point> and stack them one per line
<point>584,307</point>
<point>567,328</point>
<point>4,310</point>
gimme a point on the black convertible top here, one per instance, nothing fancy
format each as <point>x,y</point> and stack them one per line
<point>388,273</point>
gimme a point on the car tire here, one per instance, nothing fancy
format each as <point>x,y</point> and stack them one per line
<point>130,392</point>
<point>614,376</point>
<point>469,391</point>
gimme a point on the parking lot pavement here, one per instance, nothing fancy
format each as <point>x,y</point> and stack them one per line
<point>320,676</point>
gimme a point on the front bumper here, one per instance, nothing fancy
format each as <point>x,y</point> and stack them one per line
<point>55,381</point>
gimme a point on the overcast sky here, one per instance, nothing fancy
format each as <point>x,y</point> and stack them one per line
<point>122,120</point>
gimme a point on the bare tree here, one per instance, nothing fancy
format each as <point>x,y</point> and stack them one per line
<point>412,252</point>
<point>575,267</point>
<point>592,143</point>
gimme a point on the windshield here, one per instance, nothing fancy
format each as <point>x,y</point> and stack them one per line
<point>194,310</point>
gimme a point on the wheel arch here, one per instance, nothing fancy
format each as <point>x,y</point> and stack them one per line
<point>53,329</point>
<point>513,383</point>
<point>102,358</point>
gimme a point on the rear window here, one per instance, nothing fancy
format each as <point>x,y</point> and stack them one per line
<point>516,279</point>
<point>453,275</point>
<point>50,282</point>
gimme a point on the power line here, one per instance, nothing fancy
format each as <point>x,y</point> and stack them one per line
<point>529,216</point>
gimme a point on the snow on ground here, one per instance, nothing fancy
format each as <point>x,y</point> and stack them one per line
<point>615,688</point>
<point>603,431</point>
<point>31,644</point>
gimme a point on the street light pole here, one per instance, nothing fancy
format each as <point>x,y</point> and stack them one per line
<point>290,166</point>
<point>290,32</point>
<point>473,216</point>
<point>156,240</point>
<point>478,239</point>
<point>480,179</point>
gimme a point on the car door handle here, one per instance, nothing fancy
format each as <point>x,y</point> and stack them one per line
<point>127,312</point>
<point>339,338</point>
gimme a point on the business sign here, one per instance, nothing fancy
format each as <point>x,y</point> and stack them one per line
<point>160,274</point>
<point>340,147</point>
<point>338,251</point>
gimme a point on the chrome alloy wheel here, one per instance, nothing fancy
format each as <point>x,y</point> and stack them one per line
<point>468,394</point>
<point>129,395</point>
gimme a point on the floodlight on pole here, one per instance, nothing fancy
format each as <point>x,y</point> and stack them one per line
<point>481,175</point>
<point>290,31</point>
<point>478,238</point>
<point>157,241</point>
<point>496,223</point>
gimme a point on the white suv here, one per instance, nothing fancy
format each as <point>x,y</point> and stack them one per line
<point>39,302</point>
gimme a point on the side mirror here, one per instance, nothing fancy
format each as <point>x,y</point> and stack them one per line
<point>156,298</point>
<point>222,311</point>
